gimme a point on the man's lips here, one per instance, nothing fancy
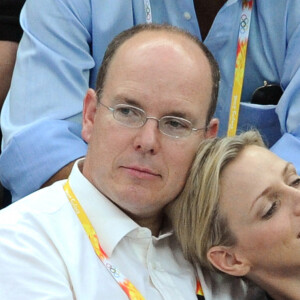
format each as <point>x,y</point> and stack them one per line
<point>140,172</point>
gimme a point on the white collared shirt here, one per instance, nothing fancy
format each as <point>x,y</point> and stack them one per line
<point>45,252</point>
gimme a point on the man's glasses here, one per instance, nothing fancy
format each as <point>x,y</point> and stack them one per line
<point>134,117</point>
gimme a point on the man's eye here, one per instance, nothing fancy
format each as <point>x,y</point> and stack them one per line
<point>128,112</point>
<point>176,124</point>
<point>124,110</point>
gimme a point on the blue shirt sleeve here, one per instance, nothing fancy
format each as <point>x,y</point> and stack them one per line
<point>43,158</point>
<point>288,108</point>
<point>288,148</point>
<point>51,76</point>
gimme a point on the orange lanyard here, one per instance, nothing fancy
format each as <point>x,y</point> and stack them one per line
<point>130,290</point>
<point>239,67</point>
<point>124,283</point>
<point>199,290</point>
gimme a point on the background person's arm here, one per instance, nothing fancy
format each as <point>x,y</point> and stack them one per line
<point>29,160</point>
<point>10,35</point>
<point>8,52</point>
<point>288,108</point>
<point>50,79</point>
<point>63,173</point>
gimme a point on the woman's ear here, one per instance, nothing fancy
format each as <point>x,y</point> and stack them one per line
<point>88,114</point>
<point>225,259</point>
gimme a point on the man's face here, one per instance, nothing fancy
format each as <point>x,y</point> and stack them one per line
<point>141,169</point>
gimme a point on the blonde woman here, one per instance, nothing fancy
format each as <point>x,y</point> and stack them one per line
<point>239,213</point>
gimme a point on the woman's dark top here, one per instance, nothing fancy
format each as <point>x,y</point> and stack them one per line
<point>10,29</point>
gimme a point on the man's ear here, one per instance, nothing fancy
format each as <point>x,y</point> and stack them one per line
<point>212,129</point>
<point>88,114</point>
<point>225,259</point>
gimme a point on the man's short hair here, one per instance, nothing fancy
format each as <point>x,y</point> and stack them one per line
<point>129,33</point>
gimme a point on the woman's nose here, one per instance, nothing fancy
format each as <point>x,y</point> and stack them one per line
<point>295,195</point>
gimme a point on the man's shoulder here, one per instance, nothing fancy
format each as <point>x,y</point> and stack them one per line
<point>48,200</point>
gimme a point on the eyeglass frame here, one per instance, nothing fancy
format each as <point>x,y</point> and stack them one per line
<point>113,109</point>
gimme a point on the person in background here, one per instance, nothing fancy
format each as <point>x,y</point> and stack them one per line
<point>10,35</point>
<point>62,49</point>
<point>156,94</point>
<point>239,213</point>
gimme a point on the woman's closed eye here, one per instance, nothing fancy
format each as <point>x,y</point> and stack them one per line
<point>296,183</point>
<point>275,203</point>
<point>271,211</point>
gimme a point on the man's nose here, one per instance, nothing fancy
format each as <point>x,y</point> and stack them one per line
<point>147,137</point>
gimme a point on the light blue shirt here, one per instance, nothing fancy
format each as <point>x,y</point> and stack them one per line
<point>61,52</point>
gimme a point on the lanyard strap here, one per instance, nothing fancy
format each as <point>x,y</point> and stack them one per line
<point>148,12</point>
<point>240,66</point>
<point>125,284</point>
<point>199,290</point>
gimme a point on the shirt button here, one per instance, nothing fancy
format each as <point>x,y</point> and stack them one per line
<point>144,233</point>
<point>157,267</point>
<point>153,265</point>
<point>187,15</point>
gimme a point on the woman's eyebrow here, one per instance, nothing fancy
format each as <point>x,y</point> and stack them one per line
<point>265,192</point>
<point>289,167</point>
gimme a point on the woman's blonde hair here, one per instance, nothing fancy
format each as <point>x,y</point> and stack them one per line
<point>195,216</point>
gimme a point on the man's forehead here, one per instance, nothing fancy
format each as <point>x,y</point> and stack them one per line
<point>168,64</point>
<point>156,40</point>
<point>153,50</point>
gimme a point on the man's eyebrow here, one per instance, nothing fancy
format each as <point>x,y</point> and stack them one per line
<point>123,99</point>
<point>179,114</point>
<point>174,113</point>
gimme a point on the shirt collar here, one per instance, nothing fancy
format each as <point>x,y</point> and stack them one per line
<point>110,223</point>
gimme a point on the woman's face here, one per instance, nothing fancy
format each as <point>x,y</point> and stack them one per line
<point>260,196</point>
